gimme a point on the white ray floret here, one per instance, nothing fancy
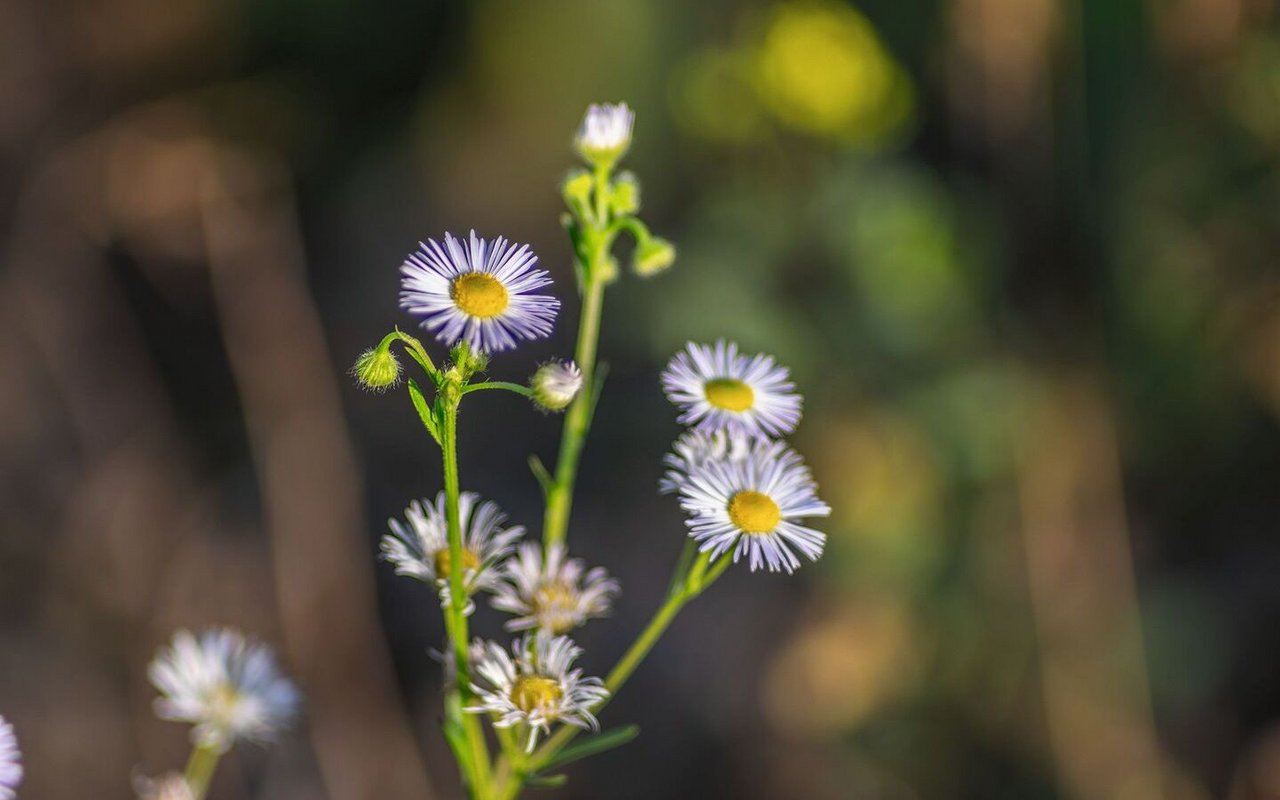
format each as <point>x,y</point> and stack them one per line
<point>555,593</point>
<point>478,291</point>
<point>605,133</point>
<point>228,687</point>
<point>535,686</point>
<point>694,449</point>
<point>10,761</point>
<point>752,506</point>
<point>717,388</point>
<point>419,547</point>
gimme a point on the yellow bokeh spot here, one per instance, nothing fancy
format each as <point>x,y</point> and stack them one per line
<point>533,692</point>
<point>444,562</point>
<point>479,295</point>
<point>730,394</point>
<point>822,69</point>
<point>754,512</point>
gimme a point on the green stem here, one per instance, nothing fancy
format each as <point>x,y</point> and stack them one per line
<point>457,618</point>
<point>200,768</point>
<point>577,419</point>
<point>510,387</point>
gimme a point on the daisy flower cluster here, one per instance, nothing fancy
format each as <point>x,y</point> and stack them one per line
<point>744,491</point>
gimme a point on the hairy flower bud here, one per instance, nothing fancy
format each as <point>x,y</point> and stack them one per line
<point>624,198</point>
<point>555,384</point>
<point>653,255</point>
<point>377,369</point>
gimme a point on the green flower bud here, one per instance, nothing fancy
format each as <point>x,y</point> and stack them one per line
<point>653,255</point>
<point>377,369</point>
<point>576,189</point>
<point>555,384</point>
<point>624,197</point>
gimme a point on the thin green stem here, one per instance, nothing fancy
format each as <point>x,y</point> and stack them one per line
<point>510,387</point>
<point>457,618</point>
<point>200,768</point>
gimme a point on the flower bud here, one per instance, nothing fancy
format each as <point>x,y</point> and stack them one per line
<point>555,384</point>
<point>605,133</point>
<point>576,189</point>
<point>377,369</point>
<point>653,255</point>
<point>624,198</point>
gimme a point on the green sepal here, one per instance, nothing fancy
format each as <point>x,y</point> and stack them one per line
<point>596,744</point>
<point>425,412</point>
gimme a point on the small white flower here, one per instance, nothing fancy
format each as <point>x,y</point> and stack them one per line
<point>167,787</point>
<point>228,687</point>
<point>421,548</point>
<point>10,761</point>
<point>694,449</point>
<point>552,594</point>
<point>555,384</point>
<point>478,291</point>
<point>717,388</point>
<point>751,505</point>
<point>534,685</point>
<point>605,133</point>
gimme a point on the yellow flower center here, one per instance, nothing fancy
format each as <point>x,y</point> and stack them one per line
<point>223,704</point>
<point>533,692</point>
<point>552,604</point>
<point>730,394</point>
<point>444,562</point>
<point>479,294</point>
<point>754,512</point>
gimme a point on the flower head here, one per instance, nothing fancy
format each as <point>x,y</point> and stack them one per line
<point>534,685</point>
<point>605,133</point>
<point>171,786</point>
<point>555,594</point>
<point>228,687</point>
<point>752,505</point>
<point>717,388</point>
<point>555,384</point>
<point>694,449</point>
<point>420,549</point>
<point>10,761</point>
<point>478,291</point>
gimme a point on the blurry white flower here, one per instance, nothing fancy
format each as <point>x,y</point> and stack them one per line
<point>10,761</point>
<point>478,291</point>
<point>555,384</point>
<point>552,594</point>
<point>421,548</point>
<point>226,686</point>
<point>694,448</point>
<point>751,505</point>
<point>716,388</point>
<point>605,133</point>
<point>534,685</point>
<point>167,787</point>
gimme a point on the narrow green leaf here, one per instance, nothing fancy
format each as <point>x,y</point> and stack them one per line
<point>546,781</point>
<point>540,472</point>
<point>596,744</point>
<point>424,410</point>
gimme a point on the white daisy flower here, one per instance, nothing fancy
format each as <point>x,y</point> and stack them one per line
<point>228,687</point>
<point>751,505</point>
<point>605,133</point>
<point>717,388</point>
<point>420,549</point>
<point>10,761</point>
<point>555,384</point>
<point>694,449</point>
<point>535,687</point>
<point>552,594</point>
<point>479,291</point>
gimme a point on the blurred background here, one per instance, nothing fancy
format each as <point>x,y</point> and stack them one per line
<point>1021,256</point>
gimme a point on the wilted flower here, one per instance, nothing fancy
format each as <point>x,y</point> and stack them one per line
<point>534,685</point>
<point>552,594</point>
<point>480,292</point>
<point>226,686</point>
